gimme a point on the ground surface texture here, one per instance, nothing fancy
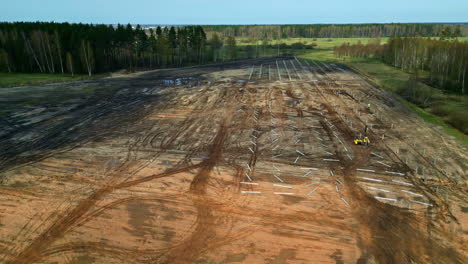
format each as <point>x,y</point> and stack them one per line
<point>247,162</point>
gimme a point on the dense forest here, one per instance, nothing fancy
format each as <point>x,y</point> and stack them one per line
<point>337,31</point>
<point>82,48</point>
<point>446,61</point>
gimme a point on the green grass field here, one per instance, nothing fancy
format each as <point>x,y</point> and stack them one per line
<point>323,51</point>
<point>323,43</point>
<point>23,79</point>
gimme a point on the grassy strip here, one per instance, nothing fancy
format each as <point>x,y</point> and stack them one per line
<point>323,51</point>
<point>321,42</point>
<point>433,119</point>
<point>24,79</point>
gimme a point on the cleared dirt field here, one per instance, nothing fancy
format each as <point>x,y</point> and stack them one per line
<point>248,162</point>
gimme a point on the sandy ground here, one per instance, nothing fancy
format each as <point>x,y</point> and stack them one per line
<point>249,162</point>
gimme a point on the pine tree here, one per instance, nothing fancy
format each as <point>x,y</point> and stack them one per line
<point>70,63</point>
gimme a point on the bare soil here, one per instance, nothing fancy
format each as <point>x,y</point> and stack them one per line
<point>245,162</point>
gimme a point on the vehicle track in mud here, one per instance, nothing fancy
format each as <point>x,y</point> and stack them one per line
<point>250,162</point>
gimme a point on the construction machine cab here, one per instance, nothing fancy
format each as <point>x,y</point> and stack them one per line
<point>363,141</point>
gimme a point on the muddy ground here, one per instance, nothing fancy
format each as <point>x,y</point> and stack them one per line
<point>247,162</point>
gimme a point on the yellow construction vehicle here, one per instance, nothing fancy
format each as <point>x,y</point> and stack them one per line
<point>363,141</point>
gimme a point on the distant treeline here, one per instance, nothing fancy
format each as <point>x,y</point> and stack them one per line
<point>82,48</point>
<point>445,60</point>
<point>336,31</point>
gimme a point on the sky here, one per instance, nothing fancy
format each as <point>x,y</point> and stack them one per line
<point>235,11</point>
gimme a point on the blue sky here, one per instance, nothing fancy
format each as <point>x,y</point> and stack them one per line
<point>235,11</point>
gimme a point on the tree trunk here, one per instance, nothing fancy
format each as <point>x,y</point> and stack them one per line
<point>44,52</point>
<point>50,53</point>
<point>28,45</point>
<point>59,50</point>
<point>70,63</point>
<point>7,61</point>
<point>463,83</point>
<point>85,55</point>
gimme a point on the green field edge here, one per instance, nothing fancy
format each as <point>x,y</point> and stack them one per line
<point>11,80</point>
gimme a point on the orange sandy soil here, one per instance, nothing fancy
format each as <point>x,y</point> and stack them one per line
<point>171,187</point>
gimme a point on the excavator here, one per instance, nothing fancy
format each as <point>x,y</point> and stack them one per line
<point>362,141</point>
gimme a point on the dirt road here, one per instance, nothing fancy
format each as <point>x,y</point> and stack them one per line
<point>245,162</point>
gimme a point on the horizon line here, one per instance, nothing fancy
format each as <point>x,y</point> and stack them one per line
<point>227,24</point>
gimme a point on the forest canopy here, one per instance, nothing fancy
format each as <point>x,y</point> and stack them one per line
<point>84,48</point>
